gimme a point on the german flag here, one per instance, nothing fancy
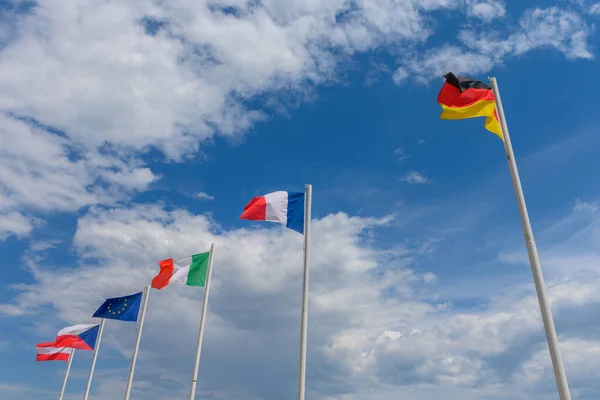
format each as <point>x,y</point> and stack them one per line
<point>463,98</point>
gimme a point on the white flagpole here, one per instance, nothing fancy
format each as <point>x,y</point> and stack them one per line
<point>137,341</point>
<point>94,357</point>
<point>304,317</point>
<point>64,385</point>
<point>202,319</point>
<point>534,260</point>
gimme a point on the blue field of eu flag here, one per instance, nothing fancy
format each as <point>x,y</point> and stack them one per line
<point>122,308</point>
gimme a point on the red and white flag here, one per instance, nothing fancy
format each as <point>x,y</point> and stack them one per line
<point>48,352</point>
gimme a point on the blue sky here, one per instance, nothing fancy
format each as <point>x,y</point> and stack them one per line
<point>120,147</point>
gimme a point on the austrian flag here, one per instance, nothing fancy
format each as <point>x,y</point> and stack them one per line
<point>49,352</point>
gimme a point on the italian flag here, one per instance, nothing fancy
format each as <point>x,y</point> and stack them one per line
<point>187,270</point>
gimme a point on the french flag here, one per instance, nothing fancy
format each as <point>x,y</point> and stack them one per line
<point>82,336</point>
<point>49,352</point>
<point>286,208</point>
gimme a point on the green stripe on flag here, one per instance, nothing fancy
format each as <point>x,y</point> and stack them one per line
<point>198,270</point>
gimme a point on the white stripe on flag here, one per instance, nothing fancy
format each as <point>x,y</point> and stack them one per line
<point>75,329</point>
<point>182,269</point>
<point>54,350</point>
<point>277,205</point>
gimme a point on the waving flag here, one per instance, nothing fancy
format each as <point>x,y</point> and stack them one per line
<point>78,336</point>
<point>50,352</point>
<point>286,208</point>
<point>463,98</point>
<point>120,308</point>
<point>190,271</point>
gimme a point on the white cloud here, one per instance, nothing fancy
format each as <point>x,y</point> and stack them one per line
<point>486,10</point>
<point>116,93</point>
<point>112,94</point>
<point>204,196</point>
<point>429,277</point>
<point>44,170</point>
<point>414,177</point>
<point>189,79</point>
<point>256,284</point>
<point>584,206</point>
<point>174,88</point>
<point>562,251</point>
<point>595,9</point>
<point>400,154</point>
<point>14,223</point>
<point>551,28</point>
<point>373,324</point>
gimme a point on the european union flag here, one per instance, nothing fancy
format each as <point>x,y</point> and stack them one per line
<point>121,308</point>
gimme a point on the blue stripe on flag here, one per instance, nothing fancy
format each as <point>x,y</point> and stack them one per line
<point>295,211</point>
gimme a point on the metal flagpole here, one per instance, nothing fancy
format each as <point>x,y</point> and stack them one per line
<point>94,357</point>
<point>202,319</point>
<point>137,341</point>
<point>64,385</point>
<point>304,318</point>
<point>534,261</point>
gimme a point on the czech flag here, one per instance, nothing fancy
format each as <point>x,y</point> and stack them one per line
<point>49,352</point>
<point>286,208</point>
<point>80,336</point>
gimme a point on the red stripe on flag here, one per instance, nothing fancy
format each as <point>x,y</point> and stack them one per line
<point>56,356</point>
<point>166,272</point>
<point>72,341</point>
<point>53,357</point>
<point>451,96</point>
<point>256,210</point>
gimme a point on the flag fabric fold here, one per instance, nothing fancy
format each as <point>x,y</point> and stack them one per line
<point>82,336</point>
<point>120,308</point>
<point>462,98</point>
<point>189,270</point>
<point>50,352</point>
<point>286,208</point>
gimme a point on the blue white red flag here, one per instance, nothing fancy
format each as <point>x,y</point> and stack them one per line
<point>82,336</point>
<point>286,208</point>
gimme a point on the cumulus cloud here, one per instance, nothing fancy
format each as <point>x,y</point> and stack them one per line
<point>255,295</point>
<point>82,104</point>
<point>549,28</point>
<point>14,223</point>
<point>170,75</point>
<point>374,324</point>
<point>486,10</point>
<point>44,170</point>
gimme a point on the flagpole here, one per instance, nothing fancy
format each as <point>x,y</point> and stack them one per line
<point>64,385</point>
<point>304,317</point>
<point>94,357</point>
<point>534,260</point>
<point>137,341</point>
<point>202,319</point>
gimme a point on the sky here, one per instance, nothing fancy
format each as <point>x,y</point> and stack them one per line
<point>135,131</point>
